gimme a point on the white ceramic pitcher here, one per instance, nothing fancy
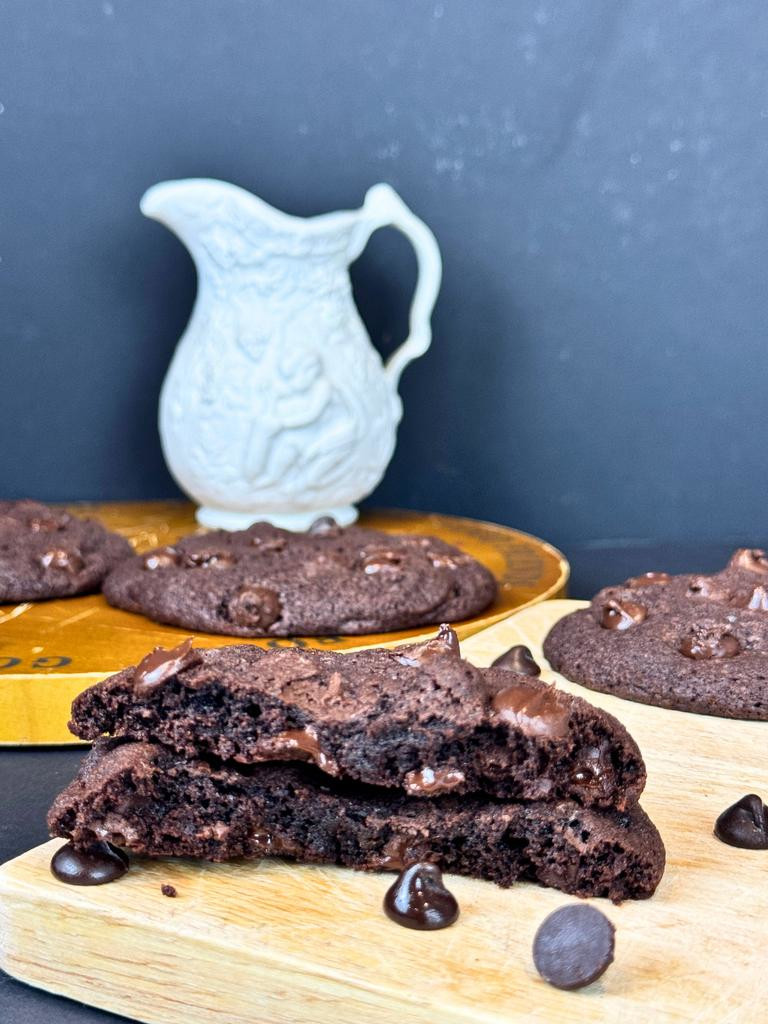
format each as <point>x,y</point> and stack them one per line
<point>276,406</point>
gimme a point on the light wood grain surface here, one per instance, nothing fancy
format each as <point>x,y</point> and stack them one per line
<point>276,943</point>
<point>52,650</point>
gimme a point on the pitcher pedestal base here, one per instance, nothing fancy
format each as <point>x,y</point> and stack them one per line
<point>229,519</point>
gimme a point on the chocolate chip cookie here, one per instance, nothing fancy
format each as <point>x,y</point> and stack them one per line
<point>149,801</point>
<point>265,581</point>
<point>689,643</point>
<point>46,552</point>
<point>418,718</point>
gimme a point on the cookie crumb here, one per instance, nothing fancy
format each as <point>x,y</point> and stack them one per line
<point>168,890</point>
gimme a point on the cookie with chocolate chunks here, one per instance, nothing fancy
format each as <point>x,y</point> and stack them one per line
<point>416,717</point>
<point>264,581</point>
<point>689,643</point>
<point>46,552</point>
<point>145,799</point>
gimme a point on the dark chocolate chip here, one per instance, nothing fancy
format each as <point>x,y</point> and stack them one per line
<point>621,615</point>
<point>95,865</point>
<point>755,600</point>
<point>445,643</point>
<point>162,558</point>
<point>49,522</point>
<point>648,579</point>
<point>168,890</point>
<point>161,665</point>
<point>590,768</point>
<point>418,899</point>
<point>254,606</point>
<point>381,561</point>
<point>325,525</point>
<point>518,659</point>
<point>745,824</point>
<point>535,711</point>
<point>701,586</point>
<point>209,560</point>
<point>702,644</point>
<point>433,782</point>
<point>573,946</point>
<point>752,559</point>
<point>58,558</point>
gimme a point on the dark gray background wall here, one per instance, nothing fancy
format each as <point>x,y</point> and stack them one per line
<point>596,172</point>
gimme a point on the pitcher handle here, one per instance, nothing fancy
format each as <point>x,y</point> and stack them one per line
<point>383,207</point>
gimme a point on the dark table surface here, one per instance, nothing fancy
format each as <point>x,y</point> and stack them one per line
<point>29,779</point>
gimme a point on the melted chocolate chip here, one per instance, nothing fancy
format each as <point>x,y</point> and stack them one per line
<point>621,615</point>
<point>647,579</point>
<point>397,853</point>
<point>286,745</point>
<point>590,768</point>
<point>381,561</point>
<point>756,600</point>
<point>95,865</point>
<point>58,558</point>
<point>268,543</point>
<point>518,659</point>
<point>267,844</point>
<point>573,946</point>
<point>325,525</point>
<point>432,782</point>
<point>162,558</point>
<point>49,522</point>
<point>752,559</point>
<point>745,824</point>
<point>159,666</point>
<point>418,899</point>
<point>255,607</point>
<point>702,644</point>
<point>703,587</point>
<point>168,890</point>
<point>209,560</point>
<point>445,643</point>
<point>536,712</point>
<point>440,561</point>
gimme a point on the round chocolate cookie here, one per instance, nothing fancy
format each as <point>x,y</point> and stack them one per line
<point>45,552</point>
<point>689,643</point>
<point>264,581</point>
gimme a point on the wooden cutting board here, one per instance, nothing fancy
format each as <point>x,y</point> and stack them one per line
<point>276,943</point>
<point>51,650</point>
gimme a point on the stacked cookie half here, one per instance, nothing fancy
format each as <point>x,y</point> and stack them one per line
<point>375,759</point>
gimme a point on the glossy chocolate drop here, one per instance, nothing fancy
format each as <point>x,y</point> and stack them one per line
<point>96,865</point>
<point>161,665</point>
<point>744,824</point>
<point>418,899</point>
<point>518,659</point>
<point>621,615</point>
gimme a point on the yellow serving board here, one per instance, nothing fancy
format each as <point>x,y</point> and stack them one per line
<point>51,650</point>
<point>277,943</point>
